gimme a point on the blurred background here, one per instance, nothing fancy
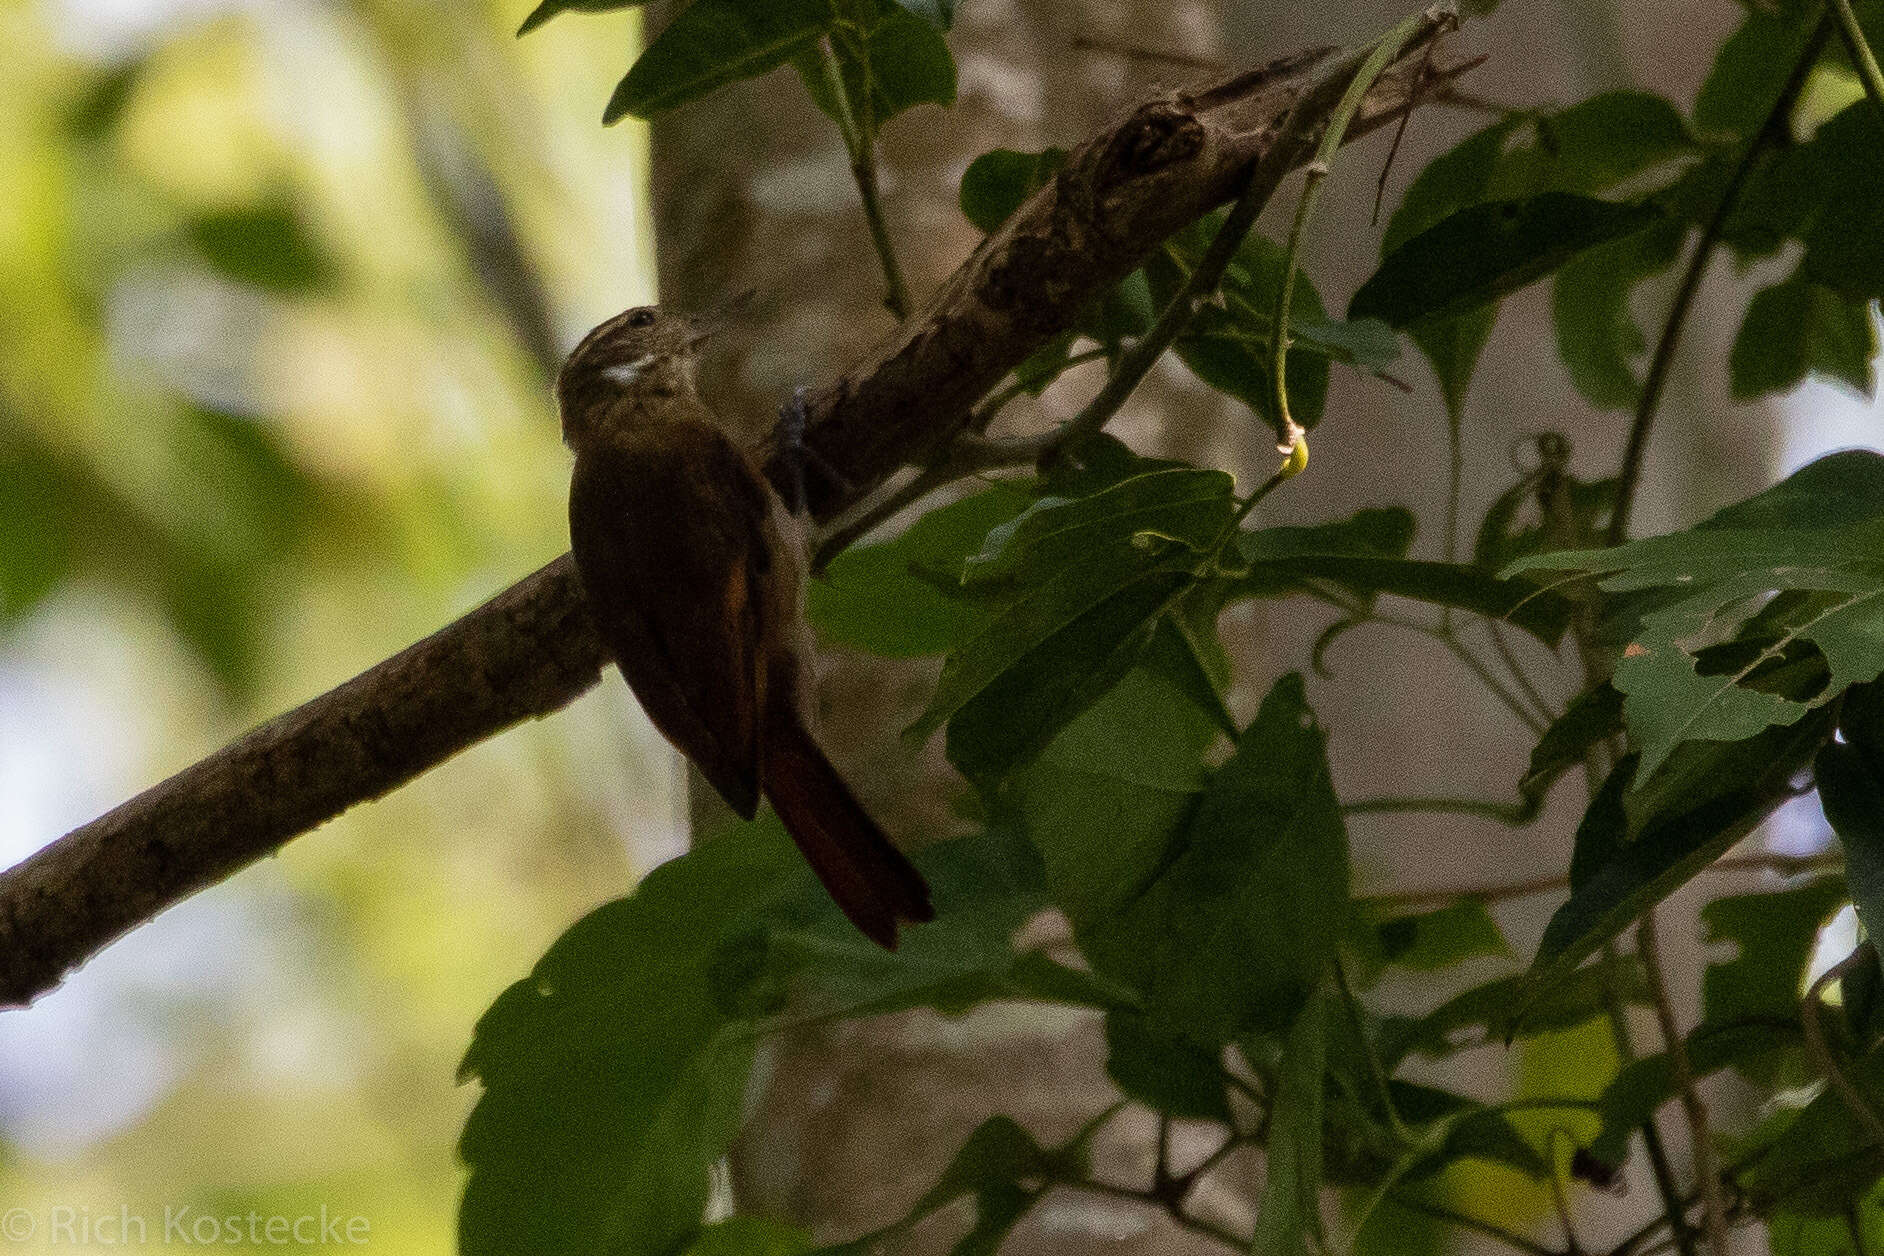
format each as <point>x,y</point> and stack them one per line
<point>282,286</point>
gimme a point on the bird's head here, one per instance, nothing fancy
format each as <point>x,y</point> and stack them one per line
<point>643,355</point>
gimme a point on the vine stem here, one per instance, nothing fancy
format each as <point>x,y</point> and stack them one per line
<point>860,142</point>
<point>1862,59</point>
<point>1707,1175</point>
<point>1500,891</point>
<point>1289,433</point>
<point>1775,126</point>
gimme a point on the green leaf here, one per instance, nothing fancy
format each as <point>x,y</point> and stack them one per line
<point>897,62</point>
<point>749,1236</point>
<point>1593,716</point>
<point>550,8</point>
<point>1773,935</point>
<point>1163,1070</point>
<point>1288,1216</point>
<point>1644,1085</point>
<point>1183,504</point>
<point>1597,335</point>
<point>884,598</point>
<point>1235,924</point>
<point>1749,71</point>
<point>1353,557</point>
<point>1429,941</point>
<point>1825,1158</point>
<point>613,1079</point>
<point>711,43</point>
<point>1797,328</point>
<point>265,246</point>
<point>1487,1013</point>
<point>1599,144</point>
<point>1853,798</point>
<point>1845,242</point>
<point>1228,346</point>
<point>1792,537</point>
<point>1708,797</point>
<point>997,182</point>
<point>1485,252</point>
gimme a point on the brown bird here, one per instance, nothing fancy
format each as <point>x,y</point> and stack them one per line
<point>694,570</point>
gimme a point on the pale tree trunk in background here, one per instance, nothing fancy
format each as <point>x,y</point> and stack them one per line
<point>752,188</point>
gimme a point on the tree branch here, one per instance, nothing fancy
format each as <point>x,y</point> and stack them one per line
<point>532,649</point>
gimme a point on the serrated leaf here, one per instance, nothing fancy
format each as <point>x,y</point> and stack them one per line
<point>1717,574</point>
<point>1797,328</point>
<point>1485,252</point>
<point>550,8</point>
<point>711,43</point>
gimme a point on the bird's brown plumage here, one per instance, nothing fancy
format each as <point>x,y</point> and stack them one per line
<point>695,578</point>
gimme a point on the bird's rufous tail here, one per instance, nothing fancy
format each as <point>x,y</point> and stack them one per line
<point>872,881</point>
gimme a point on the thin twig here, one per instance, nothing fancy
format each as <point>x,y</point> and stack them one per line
<point>1811,1008</point>
<point>1713,1205</point>
<point>1518,675</point>
<point>1771,131</point>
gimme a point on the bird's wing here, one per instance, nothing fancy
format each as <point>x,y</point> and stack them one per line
<point>669,535</point>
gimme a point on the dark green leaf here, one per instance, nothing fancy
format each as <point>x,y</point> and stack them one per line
<point>1288,1216</point>
<point>1816,532</point>
<point>1845,243</point>
<point>749,1236</point>
<point>1050,654</point>
<point>1231,930</point>
<point>1346,556</point>
<point>1774,935</point>
<point>1710,795</point>
<point>1598,144</point>
<point>613,1079</point>
<point>1825,1158</point>
<point>1597,334</point>
<point>1797,328</point>
<point>1182,504</point>
<point>550,8</point>
<point>1644,1085</point>
<point>711,43</point>
<point>267,246</point>
<point>1853,797</point>
<point>1438,939</point>
<point>1484,252</point>
<point>1228,347</point>
<point>995,183</point>
<point>897,62</point>
<point>1749,70</point>
<point>1487,1013</point>
<point>884,598</point>
<point>1163,1070</point>
<point>1594,715</point>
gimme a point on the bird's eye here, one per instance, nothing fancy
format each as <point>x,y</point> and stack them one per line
<point>641,318</point>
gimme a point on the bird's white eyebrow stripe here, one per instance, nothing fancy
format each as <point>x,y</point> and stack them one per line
<point>626,373</point>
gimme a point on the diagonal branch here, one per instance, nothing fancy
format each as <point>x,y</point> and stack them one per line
<point>532,649</point>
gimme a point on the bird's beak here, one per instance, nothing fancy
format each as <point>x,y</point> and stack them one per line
<point>706,325</point>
